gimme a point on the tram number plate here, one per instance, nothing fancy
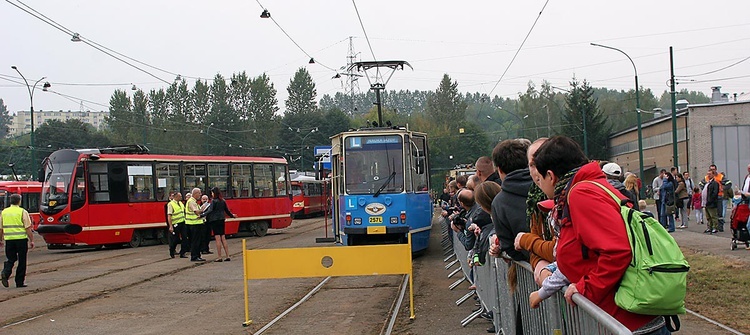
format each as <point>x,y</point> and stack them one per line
<point>376,219</point>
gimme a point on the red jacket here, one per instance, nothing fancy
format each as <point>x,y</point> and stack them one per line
<point>596,222</point>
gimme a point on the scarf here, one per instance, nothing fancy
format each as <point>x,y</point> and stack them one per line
<point>535,215</point>
<point>561,189</point>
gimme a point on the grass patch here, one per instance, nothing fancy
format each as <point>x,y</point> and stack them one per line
<point>718,287</point>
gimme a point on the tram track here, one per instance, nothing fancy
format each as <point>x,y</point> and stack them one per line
<point>111,280</point>
<point>328,285</point>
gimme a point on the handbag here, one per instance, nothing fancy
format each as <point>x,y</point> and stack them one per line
<point>670,209</point>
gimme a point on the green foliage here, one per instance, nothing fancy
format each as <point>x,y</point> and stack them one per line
<point>693,97</point>
<point>302,94</point>
<point>4,119</point>
<point>446,105</point>
<point>581,109</point>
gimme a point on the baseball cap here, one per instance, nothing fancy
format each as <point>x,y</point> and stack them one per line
<point>612,169</point>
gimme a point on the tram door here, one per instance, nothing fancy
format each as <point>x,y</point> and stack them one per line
<point>337,186</point>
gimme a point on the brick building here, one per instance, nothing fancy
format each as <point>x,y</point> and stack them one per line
<point>717,132</point>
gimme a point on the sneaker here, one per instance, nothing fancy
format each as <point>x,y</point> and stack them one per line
<point>714,231</point>
<point>707,231</point>
<point>747,247</point>
<point>681,227</point>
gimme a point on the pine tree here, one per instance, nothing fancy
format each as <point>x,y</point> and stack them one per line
<point>302,94</point>
<point>4,119</point>
<point>583,117</point>
<point>446,104</point>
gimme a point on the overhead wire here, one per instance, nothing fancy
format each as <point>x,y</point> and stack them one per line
<point>717,70</point>
<point>369,45</point>
<point>519,47</point>
<point>293,41</point>
<point>69,32</point>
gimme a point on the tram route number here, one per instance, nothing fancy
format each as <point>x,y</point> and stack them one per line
<point>376,219</point>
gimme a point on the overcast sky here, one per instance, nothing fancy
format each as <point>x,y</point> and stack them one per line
<point>472,41</point>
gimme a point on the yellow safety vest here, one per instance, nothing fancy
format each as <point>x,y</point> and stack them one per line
<point>13,223</point>
<point>190,217</point>
<point>178,211</point>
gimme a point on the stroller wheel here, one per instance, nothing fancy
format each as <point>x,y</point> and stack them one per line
<point>733,245</point>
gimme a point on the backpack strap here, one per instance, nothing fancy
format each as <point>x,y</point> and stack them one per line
<point>620,203</point>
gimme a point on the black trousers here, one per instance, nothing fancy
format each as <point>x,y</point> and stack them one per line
<point>206,238</point>
<point>195,234</point>
<point>180,237</point>
<point>15,250</point>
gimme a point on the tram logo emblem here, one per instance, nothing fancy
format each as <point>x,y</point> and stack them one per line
<point>375,209</point>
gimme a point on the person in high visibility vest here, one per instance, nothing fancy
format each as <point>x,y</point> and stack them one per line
<point>195,226</point>
<point>176,223</point>
<point>18,238</point>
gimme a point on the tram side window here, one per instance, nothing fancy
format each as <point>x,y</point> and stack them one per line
<point>117,178</point>
<point>30,202</point>
<point>140,182</point>
<point>242,180</point>
<point>167,180</point>
<point>98,183</point>
<point>263,180</point>
<point>282,182</point>
<point>218,175</point>
<point>419,168</point>
<point>194,175</point>
<point>79,189</point>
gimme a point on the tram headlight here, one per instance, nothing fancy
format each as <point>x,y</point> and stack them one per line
<point>403,217</point>
<point>299,204</point>
<point>65,218</point>
<point>394,220</point>
<point>348,219</point>
<point>357,221</point>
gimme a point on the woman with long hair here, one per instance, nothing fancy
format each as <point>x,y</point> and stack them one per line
<point>589,220</point>
<point>631,184</point>
<point>215,221</point>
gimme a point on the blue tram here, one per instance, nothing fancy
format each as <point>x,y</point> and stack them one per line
<point>380,183</point>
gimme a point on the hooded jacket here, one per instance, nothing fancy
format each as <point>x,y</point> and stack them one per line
<point>595,220</point>
<point>509,212</point>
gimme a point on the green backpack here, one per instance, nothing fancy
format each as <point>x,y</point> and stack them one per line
<point>656,280</point>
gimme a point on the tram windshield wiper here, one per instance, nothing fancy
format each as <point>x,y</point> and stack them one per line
<point>382,187</point>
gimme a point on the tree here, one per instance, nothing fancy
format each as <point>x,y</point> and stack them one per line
<point>582,112</point>
<point>4,120</point>
<point>120,119</point>
<point>446,105</point>
<point>263,108</point>
<point>302,94</point>
<point>54,134</point>
<point>693,97</point>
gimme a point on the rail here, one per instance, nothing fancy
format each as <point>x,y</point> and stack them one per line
<point>510,306</point>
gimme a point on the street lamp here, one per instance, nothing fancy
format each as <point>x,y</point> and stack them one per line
<point>302,149</point>
<point>31,89</point>
<point>507,132</point>
<point>638,112</point>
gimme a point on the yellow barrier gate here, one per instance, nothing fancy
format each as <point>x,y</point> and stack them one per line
<point>370,260</point>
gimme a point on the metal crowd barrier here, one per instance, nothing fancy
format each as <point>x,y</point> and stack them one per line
<point>554,316</point>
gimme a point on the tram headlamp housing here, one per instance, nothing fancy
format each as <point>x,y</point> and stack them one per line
<point>394,220</point>
<point>357,221</point>
<point>348,219</point>
<point>299,204</point>
<point>65,218</point>
<point>403,217</point>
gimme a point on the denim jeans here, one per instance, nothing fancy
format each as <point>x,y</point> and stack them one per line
<point>660,331</point>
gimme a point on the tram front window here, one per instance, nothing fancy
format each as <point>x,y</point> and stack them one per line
<point>374,164</point>
<point>58,171</point>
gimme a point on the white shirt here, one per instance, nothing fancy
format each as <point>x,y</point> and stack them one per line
<point>746,187</point>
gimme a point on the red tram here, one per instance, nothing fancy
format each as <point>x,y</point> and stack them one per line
<point>30,193</point>
<point>310,196</point>
<point>97,197</point>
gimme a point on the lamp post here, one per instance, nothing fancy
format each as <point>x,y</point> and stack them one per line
<point>205,141</point>
<point>31,89</point>
<point>507,131</point>
<point>302,149</point>
<point>638,113</point>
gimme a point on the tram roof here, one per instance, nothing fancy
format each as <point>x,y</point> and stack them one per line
<point>185,158</point>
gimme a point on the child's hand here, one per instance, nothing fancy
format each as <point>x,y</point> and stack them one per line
<point>534,299</point>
